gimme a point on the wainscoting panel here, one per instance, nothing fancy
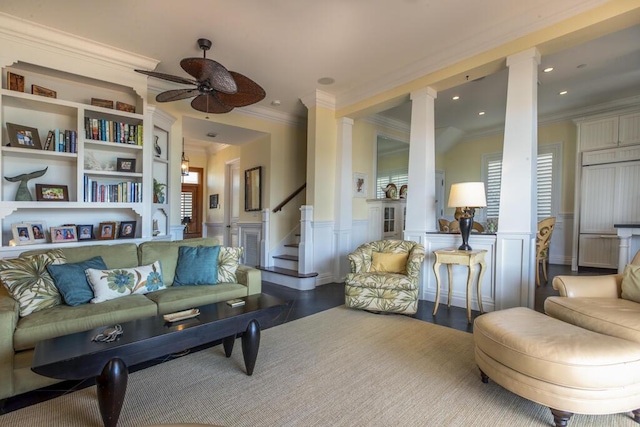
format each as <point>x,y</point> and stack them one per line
<point>323,251</point>
<point>561,246</point>
<point>250,236</point>
<point>216,230</point>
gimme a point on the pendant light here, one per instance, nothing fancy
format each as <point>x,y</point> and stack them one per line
<point>184,163</point>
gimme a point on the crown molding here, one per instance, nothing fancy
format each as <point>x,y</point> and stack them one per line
<point>386,122</point>
<point>319,98</point>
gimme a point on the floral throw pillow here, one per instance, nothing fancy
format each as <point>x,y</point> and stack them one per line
<point>29,282</point>
<point>228,261</point>
<point>119,282</point>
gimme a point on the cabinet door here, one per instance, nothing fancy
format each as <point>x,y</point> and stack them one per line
<point>598,251</point>
<point>627,203</point>
<point>630,129</point>
<point>596,134</point>
<point>597,199</point>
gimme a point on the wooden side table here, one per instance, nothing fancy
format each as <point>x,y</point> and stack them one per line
<point>452,257</point>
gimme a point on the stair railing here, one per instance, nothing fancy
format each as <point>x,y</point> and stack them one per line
<point>289,198</point>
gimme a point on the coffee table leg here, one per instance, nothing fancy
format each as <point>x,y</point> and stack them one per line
<point>112,385</point>
<point>250,345</point>
<point>227,343</point>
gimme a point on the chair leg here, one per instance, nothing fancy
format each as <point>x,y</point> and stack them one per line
<point>545,263</point>
<point>537,272</point>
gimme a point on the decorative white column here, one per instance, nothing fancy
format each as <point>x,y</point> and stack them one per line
<point>344,198</point>
<point>305,261</point>
<point>421,194</point>
<point>515,252</point>
<point>266,260</point>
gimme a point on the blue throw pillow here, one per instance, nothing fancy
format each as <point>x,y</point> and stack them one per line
<point>197,265</point>
<point>72,282</point>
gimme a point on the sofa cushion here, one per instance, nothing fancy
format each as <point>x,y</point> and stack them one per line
<point>121,255</point>
<point>177,298</point>
<point>71,280</point>
<point>167,254</point>
<point>631,283</point>
<point>197,265</point>
<point>388,281</point>
<point>228,264</point>
<point>383,262</point>
<point>64,319</point>
<point>609,316</point>
<point>29,282</point>
<point>119,282</point>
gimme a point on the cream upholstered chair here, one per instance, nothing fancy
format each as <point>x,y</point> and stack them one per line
<point>385,276</point>
<point>543,239</point>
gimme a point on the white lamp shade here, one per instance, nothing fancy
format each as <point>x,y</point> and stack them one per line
<point>467,194</point>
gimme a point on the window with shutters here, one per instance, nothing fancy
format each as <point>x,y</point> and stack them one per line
<point>548,181</point>
<point>191,203</point>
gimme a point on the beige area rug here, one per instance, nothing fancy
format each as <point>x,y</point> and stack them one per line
<point>340,367</point>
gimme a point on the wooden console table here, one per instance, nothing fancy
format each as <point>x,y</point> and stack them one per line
<point>452,257</point>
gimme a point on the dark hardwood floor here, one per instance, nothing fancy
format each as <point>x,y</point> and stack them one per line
<point>306,303</point>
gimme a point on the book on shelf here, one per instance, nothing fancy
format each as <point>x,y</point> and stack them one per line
<point>113,131</point>
<point>112,192</point>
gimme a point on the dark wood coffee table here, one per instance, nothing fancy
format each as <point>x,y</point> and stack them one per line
<point>76,357</point>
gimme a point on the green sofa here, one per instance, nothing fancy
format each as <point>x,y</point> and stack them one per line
<point>19,335</point>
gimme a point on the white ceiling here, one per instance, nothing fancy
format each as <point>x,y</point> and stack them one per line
<point>365,45</point>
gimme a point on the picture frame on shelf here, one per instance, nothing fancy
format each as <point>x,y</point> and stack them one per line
<point>125,165</point>
<point>38,231</point>
<point>52,193</point>
<point>64,233</point>
<point>106,231</point>
<point>15,82</point>
<point>121,106</point>
<point>23,136</point>
<point>85,232</point>
<point>43,91</point>
<point>21,234</point>
<point>104,103</point>
<point>127,230</point>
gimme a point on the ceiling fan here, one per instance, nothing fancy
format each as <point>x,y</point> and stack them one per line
<point>217,90</point>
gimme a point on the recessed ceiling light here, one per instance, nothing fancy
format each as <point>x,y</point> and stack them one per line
<point>548,70</point>
<point>564,92</point>
<point>326,80</point>
<point>581,66</point>
<point>275,102</point>
<point>212,134</point>
<point>455,98</point>
<point>481,113</point>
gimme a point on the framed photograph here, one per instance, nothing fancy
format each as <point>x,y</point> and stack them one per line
<point>65,233</point>
<point>15,82</point>
<point>52,193</point>
<point>23,136</point>
<point>85,232</point>
<point>21,234</point>
<point>121,106</point>
<point>38,231</point>
<point>359,184</point>
<point>127,230</point>
<point>104,103</point>
<point>106,231</point>
<point>43,91</point>
<point>253,189</point>
<point>213,201</point>
<point>126,165</point>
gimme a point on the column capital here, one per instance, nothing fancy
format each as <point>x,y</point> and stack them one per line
<point>345,121</point>
<point>319,98</point>
<point>531,53</point>
<point>425,91</point>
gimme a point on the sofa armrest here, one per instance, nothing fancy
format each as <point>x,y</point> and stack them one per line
<point>8,321</point>
<point>607,286</point>
<point>251,278</point>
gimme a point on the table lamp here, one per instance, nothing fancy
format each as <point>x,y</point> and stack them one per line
<point>468,196</point>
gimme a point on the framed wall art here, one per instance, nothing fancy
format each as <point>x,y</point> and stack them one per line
<point>253,189</point>
<point>359,184</point>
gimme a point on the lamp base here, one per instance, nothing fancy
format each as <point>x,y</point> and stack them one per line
<point>465,228</point>
<point>464,247</point>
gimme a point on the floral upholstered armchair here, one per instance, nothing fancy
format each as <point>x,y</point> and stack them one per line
<point>385,276</point>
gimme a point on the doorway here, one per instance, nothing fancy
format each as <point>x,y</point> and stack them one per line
<point>232,209</point>
<point>191,203</point>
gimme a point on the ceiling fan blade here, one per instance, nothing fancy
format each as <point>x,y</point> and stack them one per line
<point>249,92</point>
<point>169,77</point>
<point>177,94</point>
<point>209,103</point>
<point>210,72</point>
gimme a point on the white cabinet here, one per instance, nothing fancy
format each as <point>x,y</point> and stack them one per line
<point>386,218</point>
<point>609,132</point>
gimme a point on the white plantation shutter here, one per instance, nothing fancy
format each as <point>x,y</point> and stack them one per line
<point>545,184</point>
<point>494,171</point>
<point>186,205</point>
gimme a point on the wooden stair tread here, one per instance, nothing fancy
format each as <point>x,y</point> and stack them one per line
<point>287,272</point>
<point>292,245</point>
<point>287,257</point>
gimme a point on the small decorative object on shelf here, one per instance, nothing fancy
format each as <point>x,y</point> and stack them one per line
<point>65,233</point>
<point>403,191</point>
<point>127,230</point>
<point>156,229</point>
<point>85,232</point>
<point>158,192</point>
<point>23,136</point>
<point>126,165</point>
<point>157,148</point>
<point>492,225</point>
<point>104,103</point>
<point>390,191</point>
<point>52,193</point>
<point>121,106</point>
<point>106,231</point>
<point>43,91</point>
<point>23,194</point>
<point>15,82</point>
